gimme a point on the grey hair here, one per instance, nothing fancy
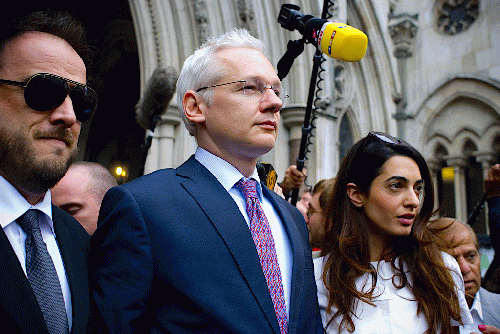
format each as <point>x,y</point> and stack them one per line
<point>202,68</point>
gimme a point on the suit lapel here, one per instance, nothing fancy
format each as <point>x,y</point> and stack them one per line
<point>224,214</point>
<point>298,250</point>
<point>16,295</point>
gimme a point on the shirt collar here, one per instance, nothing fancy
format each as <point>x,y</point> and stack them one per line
<point>225,173</point>
<point>13,205</point>
<point>476,305</point>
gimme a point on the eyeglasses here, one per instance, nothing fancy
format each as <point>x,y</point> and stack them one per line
<point>254,88</point>
<point>311,211</point>
<point>45,92</point>
<point>387,138</point>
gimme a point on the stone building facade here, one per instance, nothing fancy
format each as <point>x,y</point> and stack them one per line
<point>431,76</point>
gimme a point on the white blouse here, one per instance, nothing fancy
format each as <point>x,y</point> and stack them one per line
<point>395,310</point>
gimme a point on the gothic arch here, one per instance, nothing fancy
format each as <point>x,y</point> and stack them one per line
<point>477,101</point>
<point>462,117</point>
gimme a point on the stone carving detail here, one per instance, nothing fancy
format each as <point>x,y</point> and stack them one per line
<point>339,81</point>
<point>455,16</point>
<point>403,29</point>
<point>247,15</point>
<point>333,102</point>
<point>156,37</point>
<point>201,18</point>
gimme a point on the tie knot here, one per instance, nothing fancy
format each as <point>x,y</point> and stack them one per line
<point>29,221</point>
<point>247,187</point>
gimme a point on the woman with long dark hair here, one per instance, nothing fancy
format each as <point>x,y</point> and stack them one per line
<point>380,271</point>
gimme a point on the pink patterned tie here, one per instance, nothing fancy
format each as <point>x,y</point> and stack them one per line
<point>264,242</point>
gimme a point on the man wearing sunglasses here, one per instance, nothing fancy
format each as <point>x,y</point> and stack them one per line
<point>43,100</point>
<point>204,248</point>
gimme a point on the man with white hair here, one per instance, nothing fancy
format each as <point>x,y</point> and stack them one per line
<point>205,247</point>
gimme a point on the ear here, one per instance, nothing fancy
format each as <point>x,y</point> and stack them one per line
<point>355,195</point>
<point>193,107</point>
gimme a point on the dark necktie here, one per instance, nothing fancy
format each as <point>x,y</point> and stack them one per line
<point>264,242</point>
<point>42,275</point>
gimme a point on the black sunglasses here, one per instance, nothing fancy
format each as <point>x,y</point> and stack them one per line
<point>388,139</point>
<point>45,92</point>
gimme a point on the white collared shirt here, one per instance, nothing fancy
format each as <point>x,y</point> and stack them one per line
<point>477,315</point>
<point>228,175</point>
<point>12,206</point>
<point>394,310</point>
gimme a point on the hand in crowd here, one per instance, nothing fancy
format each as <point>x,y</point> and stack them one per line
<point>485,329</point>
<point>293,179</point>
<point>277,189</point>
<point>492,181</point>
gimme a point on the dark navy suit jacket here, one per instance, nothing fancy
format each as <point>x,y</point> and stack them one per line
<point>173,254</point>
<point>19,309</point>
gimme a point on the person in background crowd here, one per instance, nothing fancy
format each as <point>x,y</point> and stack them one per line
<point>379,271</point>
<point>43,100</point>
<point>81,190</point>
<point>491,279</point>
<point>293,179</point>
<point>460,241</point>
<point>205,247</point>
<point>303,202</point>
<point>315,218</point>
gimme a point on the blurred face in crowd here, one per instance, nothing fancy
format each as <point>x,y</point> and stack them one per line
<point>74,195</point>
<point>466,253</point>
<point>315,223</point>
<point>303,203</point>
<point>36,147</point>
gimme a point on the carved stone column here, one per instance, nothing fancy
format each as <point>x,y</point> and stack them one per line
<point>458,164</point>
<point>201,18</point>
<point>161,152</point>
<point>487,160</point>
<point>293,119</point>
<point>403,29</point>
<point>435,169</point>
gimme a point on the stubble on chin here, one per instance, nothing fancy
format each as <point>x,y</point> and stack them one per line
<point>20,166</point>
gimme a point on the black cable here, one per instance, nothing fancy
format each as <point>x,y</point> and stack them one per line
<point>313,98</point>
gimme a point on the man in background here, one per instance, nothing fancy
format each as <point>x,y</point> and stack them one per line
<point>460,241</point>
<point>315,219</point>
<point>81,190</point>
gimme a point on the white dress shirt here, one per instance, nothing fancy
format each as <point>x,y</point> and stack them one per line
<point>228,175</point>
<point>395,310</point>
<point>477,316</point>
<point>12,206</point>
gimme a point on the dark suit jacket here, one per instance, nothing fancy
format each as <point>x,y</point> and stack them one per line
<point>173,253</point>
<point>19,310</point>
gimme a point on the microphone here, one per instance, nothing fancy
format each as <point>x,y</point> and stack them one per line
<point>158,93</point>
<point>336,40</point>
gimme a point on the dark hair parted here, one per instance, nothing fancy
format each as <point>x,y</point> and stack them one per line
<point>60,24</point>
<point>347,250</point>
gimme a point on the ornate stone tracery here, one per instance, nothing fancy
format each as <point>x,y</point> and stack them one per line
<point>455,16</point>
<point>202,22</point>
